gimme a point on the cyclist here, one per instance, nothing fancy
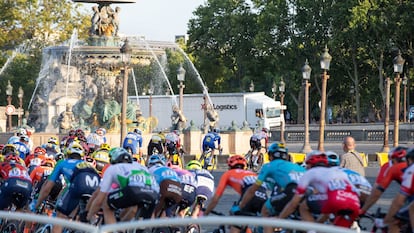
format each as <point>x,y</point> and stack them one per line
<point>210,139</point>
<point>170,184</point>
<point>281,177</point>
<point>391,171</point>
<point>124,184</point>
<point>205,185</point>
<point>173,145</point>
<point>94,142</point>
<point>133,142</point>
<point>398,208</point>
<point>11,149</point>
<point>35,159</point>
<point>101,157</point>
<point>240,180</point>
<point>102,133</point>
<point>156,141</point>
<point>81,179</point>
<point>16,185</point>
<point>22,146</point>
<point>188,188</point>
<point>333,193</point>
<point>256,140</point>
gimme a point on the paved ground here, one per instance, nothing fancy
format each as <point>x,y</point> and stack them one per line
<point>230,196</point>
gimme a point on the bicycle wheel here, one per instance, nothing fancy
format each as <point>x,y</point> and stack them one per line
<point>193,228</point>
<point>258,164</point>
<point>213,163</point>
<point>12,226</point>
<point>44,229</point>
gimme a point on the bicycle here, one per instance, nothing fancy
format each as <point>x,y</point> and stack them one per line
<point>12,225</point>
<point>255,159</point>
<point>373,222</point>
<point>243,229</point>
<point>177,158</point>
<point>208,160</point>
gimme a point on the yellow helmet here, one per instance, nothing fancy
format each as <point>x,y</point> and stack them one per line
<point>105,146</point>
<point>193,165</point>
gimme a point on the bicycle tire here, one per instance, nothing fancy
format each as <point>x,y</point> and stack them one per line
<point>259,163</point>
<point>213,162</point>
<point>193,228</point>
<point>12,226</point>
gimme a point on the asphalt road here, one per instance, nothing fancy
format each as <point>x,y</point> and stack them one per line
<point>230,195</point>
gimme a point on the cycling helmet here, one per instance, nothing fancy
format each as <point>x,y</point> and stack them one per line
<point>237,161</point>
<point>333,158</point>
<point>119,155</point>
<point>105,146</point>
<point>59,156</point>
<point>24,138</point>
<point>266,130</point>
<point>13,158</point>
<point>72,132</point>
<point>173,166</point>
<point>90,161</point>
<point>100,131</point>
<point>102,156</point>
<point>13,139</point>
<point>216,130</point>
<point>48,162</point>
<point>9,148</point>
<point>193,165</point>
<point>398,153</point>
<point>278,151</point>
<point>155,159</point>
<point>53,140</point>
<point>138,131</point>
<point>316,158</point>
<point>75,148</point>
<point>21,132</point>
<point>39,151</point>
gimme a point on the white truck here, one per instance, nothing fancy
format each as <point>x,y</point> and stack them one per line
<point>252,107</point>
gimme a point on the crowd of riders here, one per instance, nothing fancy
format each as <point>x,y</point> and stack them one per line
<point>113,181</point>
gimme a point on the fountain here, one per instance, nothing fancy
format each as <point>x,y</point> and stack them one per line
<point>80,83</point>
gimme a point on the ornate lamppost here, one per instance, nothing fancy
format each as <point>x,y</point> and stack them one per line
<point>181,86</point>
<point>9,93</point>
<point>325,63</point>
<point>274,90</point>
<point>20,95</point>
<point>405,82</point>
<point>398,69</point>
<point>282,87</point>
<point>126,51</point>
<point>306,73</point>
<point>385,146</point>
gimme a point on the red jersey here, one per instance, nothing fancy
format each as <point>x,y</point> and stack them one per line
<point>237,179</point>
<point>13,170</point>
<point>37,174</point>
<point>31,160</point>
<point>407,184</point>
<point>390,172</point>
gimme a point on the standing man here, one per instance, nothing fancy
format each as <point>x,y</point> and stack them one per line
<point>351,159</point>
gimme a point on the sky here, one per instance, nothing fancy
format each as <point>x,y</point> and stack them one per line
<point>158,20</point>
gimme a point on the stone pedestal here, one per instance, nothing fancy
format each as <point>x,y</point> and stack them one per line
<point>192,142</point>
<point>239,142</point>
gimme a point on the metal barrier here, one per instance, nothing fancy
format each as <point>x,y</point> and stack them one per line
<point>215,221</point>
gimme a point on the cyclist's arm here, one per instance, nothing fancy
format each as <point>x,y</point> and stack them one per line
<point>219,192</point>
<point>44,192</point>
<point>397,204</point>
<point>96,204</point>
<point>291,206</point>
<point>372,198</point>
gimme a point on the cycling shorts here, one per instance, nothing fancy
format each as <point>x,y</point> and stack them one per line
<point>255,143</point>
<point>15,191</point>
<point>188,196</point>
<point>278,201</point>
<point>83,185</point>
<point>255,204</point>
<point>134,196</point>
<point>205,187</point>
<point>170,189</point>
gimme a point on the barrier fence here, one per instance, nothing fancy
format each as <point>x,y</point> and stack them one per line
<point>213,221</point>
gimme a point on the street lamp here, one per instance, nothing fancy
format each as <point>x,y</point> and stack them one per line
<point>325,62</point>
<point>405,82</point>
<point>251,87</point>
<point>306,73</point>
<point>385,146</point>
<point>20,95</point>
<point>150,92</point>
<point>398,69</point>
<point>9,92</point>
<point>181,86</point>
<point>282,97</point>
<point>274,90</point>
<point>126,51</point>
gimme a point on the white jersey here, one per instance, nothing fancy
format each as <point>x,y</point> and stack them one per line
<point>172,137</point>
<point>324,179</point>
<point>120,175</point>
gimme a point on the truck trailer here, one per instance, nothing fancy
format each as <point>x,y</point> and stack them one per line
<point>255,108</point>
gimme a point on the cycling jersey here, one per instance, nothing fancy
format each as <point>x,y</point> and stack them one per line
<point>388,173</point>
<point>205,183</point>
<point>238,179</point>
<point>39,172</point>
<point>407,185</point>
<point>359,181</point>
<point>23,149</point>
<point>64,167</point>
<point>132,141</point>
<point>172,142</point>
<point>279,173</point>
<point>209,141</point>
<point>16,181</point>
<point>162,173</point>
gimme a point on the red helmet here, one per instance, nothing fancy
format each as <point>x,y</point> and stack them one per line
<point>39,151</point>
<point>49,162</point>
<point>13,157</point>
<point>316,158</point>
<point>235,160</point>
<point>398,152</point>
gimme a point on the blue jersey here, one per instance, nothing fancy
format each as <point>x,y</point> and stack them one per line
<point>162,173</point>
<point>66,168</point>
<point>279,173</point>
<point>23,149</point>
<point>210,139</point>
<point>359,181</point>
<point>132,141</point>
